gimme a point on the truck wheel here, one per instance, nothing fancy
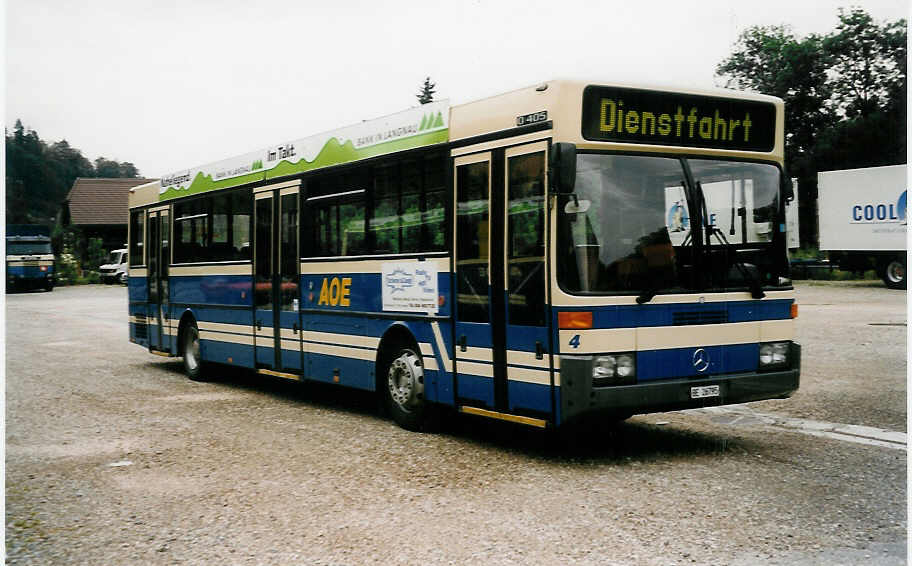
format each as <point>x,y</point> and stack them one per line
<point>894,274</point>
<point>403,389</point>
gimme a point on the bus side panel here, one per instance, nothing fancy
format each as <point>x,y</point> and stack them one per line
<point>443,348</point>
<point>475,369</point>
<point>528,378</point>
<point>137,294</point>
<point>338,350</point>
<point>226,334</point>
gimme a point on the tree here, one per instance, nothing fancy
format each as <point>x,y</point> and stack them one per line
<point>39,175</point>
<point>427,91</point>
<point>770,60</point>
<point>868,62</point>
<point>844,93</point>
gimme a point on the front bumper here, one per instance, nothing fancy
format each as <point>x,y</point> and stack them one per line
<point>579,398</point>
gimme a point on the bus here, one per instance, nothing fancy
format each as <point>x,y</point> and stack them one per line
<point>555,254</point>
<point>29,257</point>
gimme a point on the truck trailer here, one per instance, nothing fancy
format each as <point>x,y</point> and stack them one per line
<point>862,216</point>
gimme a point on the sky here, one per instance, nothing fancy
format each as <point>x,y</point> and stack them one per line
<point>168,85</point>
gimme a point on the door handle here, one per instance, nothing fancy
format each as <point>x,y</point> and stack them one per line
<point>259,325</point>
<point>294,327</point>
<point>462,343</point>
<point>539,350</point>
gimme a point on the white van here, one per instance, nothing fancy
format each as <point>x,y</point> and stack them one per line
<point>116,270</point>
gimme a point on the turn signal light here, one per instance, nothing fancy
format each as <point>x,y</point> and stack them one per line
<point>574,319</point>
<point>794,310</point>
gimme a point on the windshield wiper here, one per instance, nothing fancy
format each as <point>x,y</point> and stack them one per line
<point>753,279</point>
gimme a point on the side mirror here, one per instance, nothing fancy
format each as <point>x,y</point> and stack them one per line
<point>563,167</point>
<point>788,188</point>
<point>576,206</point>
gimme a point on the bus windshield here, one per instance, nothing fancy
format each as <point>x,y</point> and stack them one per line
<point>627,227</point>
<point>27,248</point>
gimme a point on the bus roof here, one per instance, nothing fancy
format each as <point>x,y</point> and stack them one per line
<point>556,103</point>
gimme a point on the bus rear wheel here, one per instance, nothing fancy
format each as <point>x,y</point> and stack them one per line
<point>190,349</point>
<point>403,389</point>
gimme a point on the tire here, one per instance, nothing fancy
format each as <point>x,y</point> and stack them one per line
<point>190,350</point>
<point>122,278</point>
<point>894,274</point>
<point>402,378</point>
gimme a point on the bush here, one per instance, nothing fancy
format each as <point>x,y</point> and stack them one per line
<point>67,270</point>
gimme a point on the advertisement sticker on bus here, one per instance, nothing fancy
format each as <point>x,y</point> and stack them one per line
<point>410,287</point>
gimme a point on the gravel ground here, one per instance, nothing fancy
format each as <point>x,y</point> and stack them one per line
<point>853,337</point>
<point>113,457</point>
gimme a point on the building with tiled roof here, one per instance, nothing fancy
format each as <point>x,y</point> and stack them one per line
<point>99,208</point>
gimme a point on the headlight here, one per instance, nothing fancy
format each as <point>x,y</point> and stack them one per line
<point>773,354</point>
<point>613,369</point>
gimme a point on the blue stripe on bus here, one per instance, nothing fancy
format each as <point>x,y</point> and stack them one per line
<point>632,316</point>
<point>678,362</point>
<point>221,289</point>
<point>241,317</point>
<point>29,271</point>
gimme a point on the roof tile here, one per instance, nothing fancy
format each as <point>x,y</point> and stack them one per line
<point>101,201</point>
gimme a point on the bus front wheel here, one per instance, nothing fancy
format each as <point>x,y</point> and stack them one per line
<point>403,389</point>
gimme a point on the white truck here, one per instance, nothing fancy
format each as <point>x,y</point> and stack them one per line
<point>862,220</point>
<point>115,271</point>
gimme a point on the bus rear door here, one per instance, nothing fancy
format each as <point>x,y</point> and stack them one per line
<point>159,230</point>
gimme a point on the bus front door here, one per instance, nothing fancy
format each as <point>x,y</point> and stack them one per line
<point>159,259</point>
<point>277,334</point>
<point>501,326</point>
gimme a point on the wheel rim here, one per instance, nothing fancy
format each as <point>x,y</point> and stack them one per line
<point>405,380</point>
<point>192,349</point>
<point>896,272</point>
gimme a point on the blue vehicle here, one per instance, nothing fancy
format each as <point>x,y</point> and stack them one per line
<point>29,257</point>
<point>557,253</point>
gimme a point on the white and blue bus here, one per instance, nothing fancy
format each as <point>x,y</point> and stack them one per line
<point>29,257</point>
<point>562,251</point>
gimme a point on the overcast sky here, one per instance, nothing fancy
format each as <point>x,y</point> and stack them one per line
<point>168,85</point>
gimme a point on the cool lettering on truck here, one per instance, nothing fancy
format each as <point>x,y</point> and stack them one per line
<point>879,213</point>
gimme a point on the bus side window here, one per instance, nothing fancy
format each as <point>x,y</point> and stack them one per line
<point>137,230</point>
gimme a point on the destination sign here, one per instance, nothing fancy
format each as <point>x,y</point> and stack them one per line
<point>648,117</point>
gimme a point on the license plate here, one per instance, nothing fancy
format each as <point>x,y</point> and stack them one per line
<point>704,391</point>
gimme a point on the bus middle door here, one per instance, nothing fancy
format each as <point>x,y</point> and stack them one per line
<point>277,279</point>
